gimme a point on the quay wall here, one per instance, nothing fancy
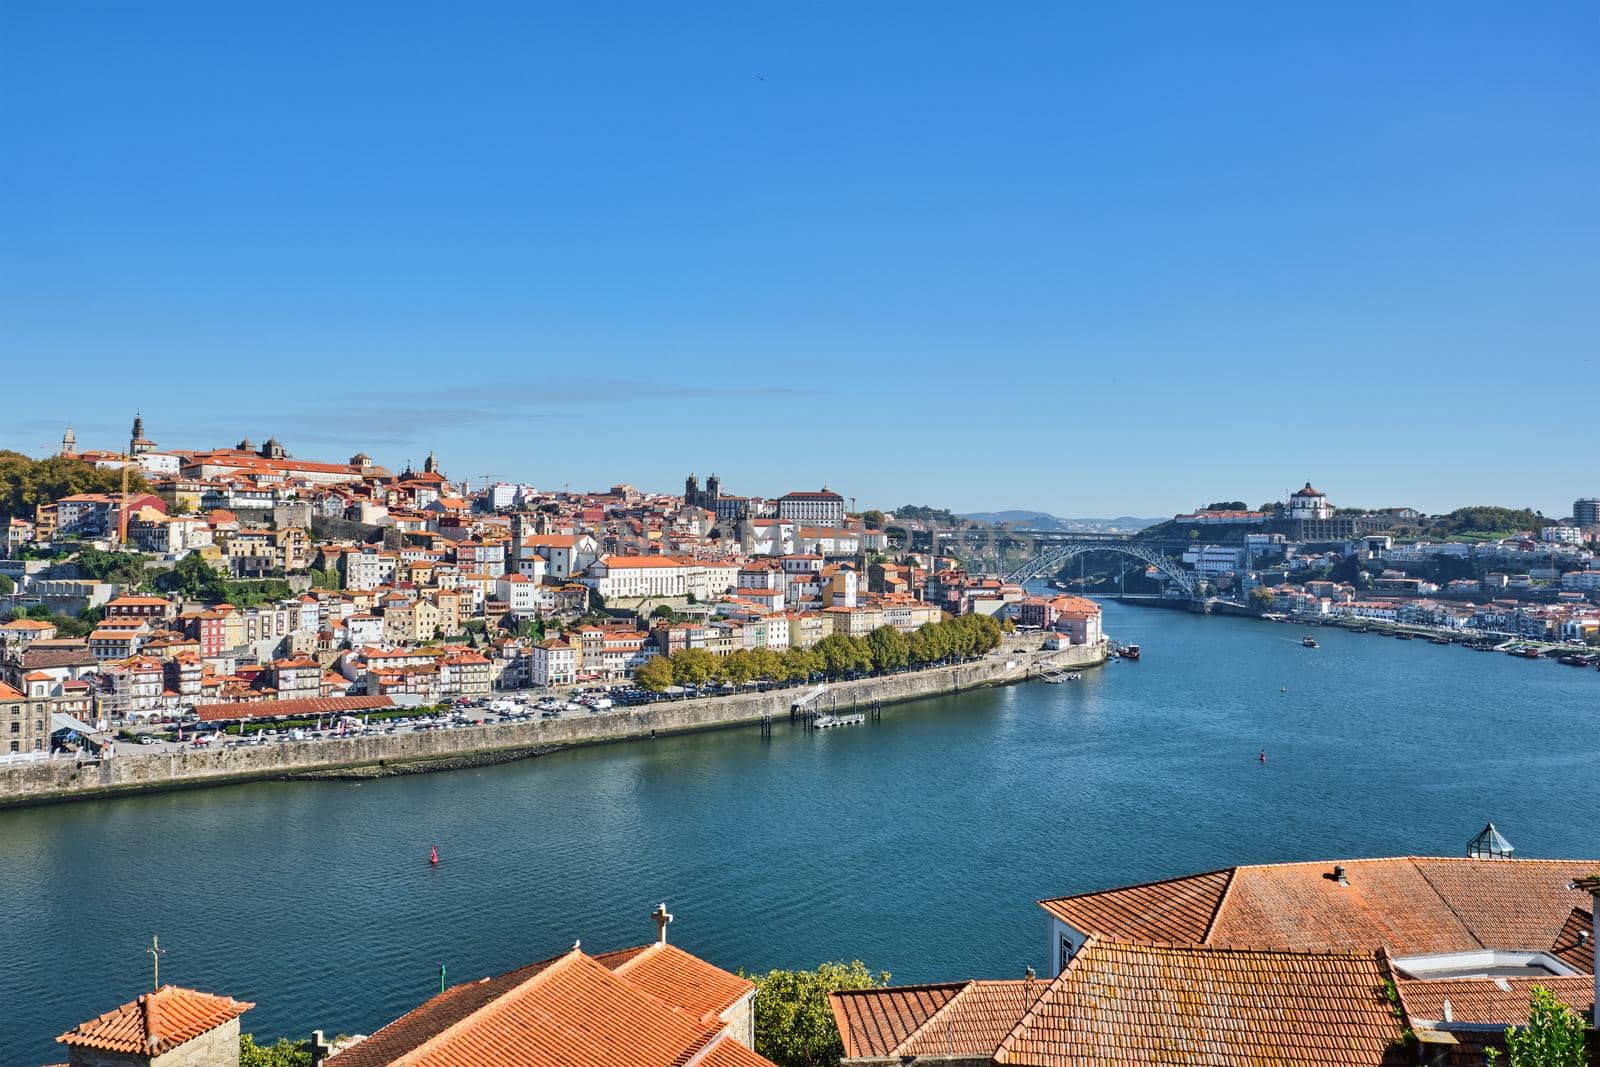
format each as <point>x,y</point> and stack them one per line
<point>45,781</point>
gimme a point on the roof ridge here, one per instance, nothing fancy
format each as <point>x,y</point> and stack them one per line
<point>870,990</point>
<point>1002,1051</point>
<point>1142,885</point>
<point>412,1054</point>
<point>931,1019</point>
<point>1451,908</point>
<point>1222,899</point>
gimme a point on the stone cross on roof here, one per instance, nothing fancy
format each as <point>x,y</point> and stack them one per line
<point>662,918</point>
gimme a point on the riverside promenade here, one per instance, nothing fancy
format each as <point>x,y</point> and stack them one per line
<point>46,781</point>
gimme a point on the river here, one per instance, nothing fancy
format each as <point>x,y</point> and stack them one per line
<point>917,844</point>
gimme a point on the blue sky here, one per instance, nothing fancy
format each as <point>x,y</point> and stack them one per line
<point>1093,259</point>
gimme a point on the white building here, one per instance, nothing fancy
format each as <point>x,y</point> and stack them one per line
<point>1213,559</point>
<point>1309,503</point>
<point>553,662</point>
<point>822,508</point>
<point>632,577</point>
<point>519,593</point>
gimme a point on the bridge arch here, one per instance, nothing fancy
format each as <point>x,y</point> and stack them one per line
<point>1054,556</point>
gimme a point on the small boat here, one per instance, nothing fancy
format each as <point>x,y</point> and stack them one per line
<point>1309,642</point>
<point>1402,636</point>
<point>1574,660</point>
<point>1129,652</point>
<point>1439,641</point>
<point>1524,653</point>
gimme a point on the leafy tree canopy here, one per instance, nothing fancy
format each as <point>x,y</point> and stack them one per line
<point>1554,1036</point>
<point>794,1024</point>
<point>26,482</point>
<point>283,1054</point>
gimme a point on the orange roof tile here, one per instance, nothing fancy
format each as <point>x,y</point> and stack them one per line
<point>684,980</point>
<point>1497,1001</point>
<point>568,1012</point>
<point>1129,1005</point>
<point>156,1022</point>
<point>1410,905</point>
<point>873,1022</point>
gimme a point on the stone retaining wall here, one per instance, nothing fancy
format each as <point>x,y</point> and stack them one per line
<point>33,782</point>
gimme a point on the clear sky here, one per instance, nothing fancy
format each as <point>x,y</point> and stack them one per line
<point>1093,259</point>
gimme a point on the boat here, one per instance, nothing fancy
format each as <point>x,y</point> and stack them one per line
<point>1129,652</point>
<point>1402,636</point>
<point>1525,653</point>
<point>1439,641</point>
<point>826,722</point>
<point>1574,660</point>
<point>1309,642</point>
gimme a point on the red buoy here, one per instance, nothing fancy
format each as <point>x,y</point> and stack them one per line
<point>1263,760</point>
<point>433,855</point>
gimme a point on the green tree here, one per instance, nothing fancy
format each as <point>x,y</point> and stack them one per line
<point>283,1054</point>
<point>7,586</point>
<point>890,649</point>
<point>654,674</point>
<point>1554,1036</point>
<point>801,663</point>
<point>194,579</point>
<point>124,568</point>
<point>873,518</point>
<point>794,1024</point>
<point>26,483</point>
<point>738,668</point>
<point>769,665</point>
<point>842,654</point>
<point>663,611</point>
<point>1262,598</point>
<point>695,666</point>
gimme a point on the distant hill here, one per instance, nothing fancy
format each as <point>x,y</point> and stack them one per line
<point>1043,520</point>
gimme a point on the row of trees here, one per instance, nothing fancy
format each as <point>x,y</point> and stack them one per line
<point>835,656</point>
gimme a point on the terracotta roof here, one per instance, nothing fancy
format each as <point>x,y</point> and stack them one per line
<point>567,1012</point>
<point>684,980</point>
<point>1497,1001</point>
<point>277,709</point>
<point>976,1022</point>
<point>873,1022</point>
<point>156,1022</point>
<point>1119,1003</point>
<point>1410,905</point>
<point>1178,909</point>
<point>649,1012</point>
<point>729,1053</point>
<point>1574,945</point>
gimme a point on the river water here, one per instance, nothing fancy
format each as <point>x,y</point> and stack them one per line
<point>918,844</point>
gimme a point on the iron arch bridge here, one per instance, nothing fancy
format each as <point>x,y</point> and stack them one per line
<point>1053,556</point>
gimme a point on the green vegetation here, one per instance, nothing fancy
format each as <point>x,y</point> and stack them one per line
<point>794,1024</point>
<point>80,625</point>
<point>1262,598</point>
<point>1226,505</point>
<point>663,611</point>
<point>1554,1036</point>
<point>835,656</point>
<point>123,568</point>
<point>195,579</point>
<point>927,514</point>
<point>325,579</point>
<point>873,518</point>
<point>7,586</point>
<point>283,1054</point>
<point>1482,521</point>
<point>26,483</point>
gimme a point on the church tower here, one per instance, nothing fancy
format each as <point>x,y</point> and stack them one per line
<point>713,492</point>
<point>69,443</point>
<point>431,464</point>
<point>691,488</point>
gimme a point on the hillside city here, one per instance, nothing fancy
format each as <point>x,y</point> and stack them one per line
<point>226,587</point>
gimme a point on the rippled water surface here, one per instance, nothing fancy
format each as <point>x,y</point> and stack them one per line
<point>918,844</point>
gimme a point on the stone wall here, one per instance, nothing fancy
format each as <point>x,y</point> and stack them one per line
<point>31,782</point>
